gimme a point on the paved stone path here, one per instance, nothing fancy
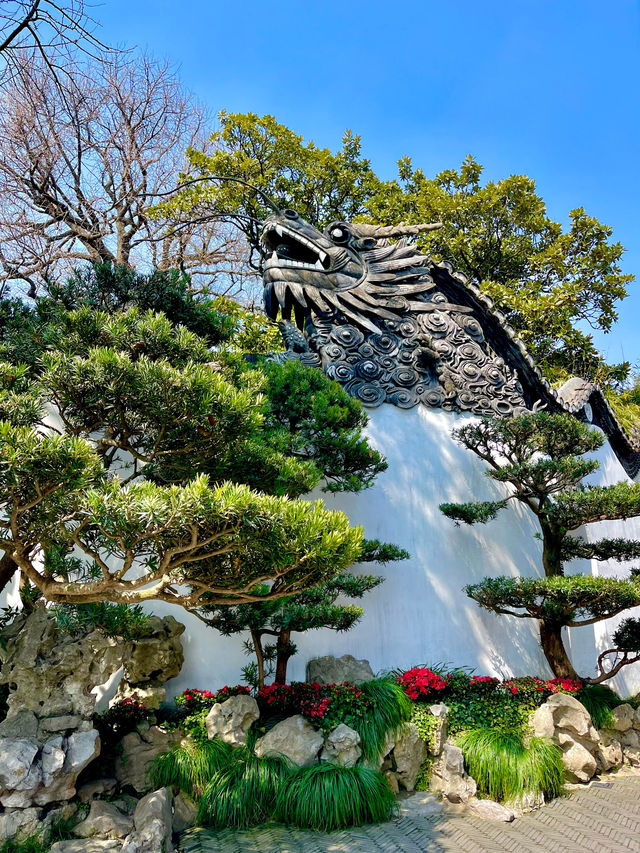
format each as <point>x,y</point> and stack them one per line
<point>593,819</point>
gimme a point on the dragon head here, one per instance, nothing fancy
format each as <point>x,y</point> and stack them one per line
<point>345,269</point>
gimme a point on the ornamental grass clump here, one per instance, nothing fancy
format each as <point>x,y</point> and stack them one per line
<point>244,791</point>
<point>327,797</point>
<point>190,766</point>
<point>505,766</point>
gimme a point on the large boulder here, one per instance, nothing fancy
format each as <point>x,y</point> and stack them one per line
<point>231,720</point>
<point>567,722</point>
<point>137,750</point>
<point>294,738</point>
<point>19,823</point>
<point>422,804</point>
<point>155,656</point>
<point>623,717</point>
<point>342,746</point>
<point>332,670</point>
<point>105,820</point>
<point>449,777</point>
<point>153,819</point>
<point>409,753</point>
<point>50,673</point>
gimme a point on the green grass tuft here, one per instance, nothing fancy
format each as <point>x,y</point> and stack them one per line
<point>504,767</point>
<point>599,700</point>
<point>244,792</point>
<point>327,797</point>
<point>390,708</point>
<point>190,766</point>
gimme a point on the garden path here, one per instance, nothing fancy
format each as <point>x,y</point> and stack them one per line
<point>592,819</point>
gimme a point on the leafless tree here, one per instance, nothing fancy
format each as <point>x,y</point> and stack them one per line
<point>54,30</point>
<point>80,166</point>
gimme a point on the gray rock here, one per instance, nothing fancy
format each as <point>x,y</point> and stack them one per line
<point>52,674</point>
<point>231,720</point>
<point>19,823</point>
<point>636,719</point>
<point>439,737</point>
<point>449,777</point>
<point>342,746</point>
<point>567,722</point>
<point>526,802</point>
<point>490,810</point>
<point>623,717</point>
<point>16,759</point>
<point>53,758</point>
<point>185,812</point>
<point>24,724</point>
<point>97,788</point>
<point>88,845</point>
<point>153,824</point>
<point>409,753</point>
<point>333,670</point>
<point>137,750</point>
<point>609,757</point>
<point>295,738</point>
<point>570,714</point>
<point>104,819</point>
<point>66,723</point>
<point>392,781</point>
<point>421,804</point>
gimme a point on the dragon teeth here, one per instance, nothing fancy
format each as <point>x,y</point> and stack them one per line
<point>318,265</point>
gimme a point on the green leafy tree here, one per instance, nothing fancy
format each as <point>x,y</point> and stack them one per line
<point>551,283</point>
<point>164,469</point>
<point>540,460</point>
<point>306,611</point>
<point>260,151</point>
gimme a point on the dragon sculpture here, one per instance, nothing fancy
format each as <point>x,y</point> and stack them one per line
<point>392,326</point>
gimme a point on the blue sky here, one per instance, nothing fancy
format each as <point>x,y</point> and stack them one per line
<point>547,89</point>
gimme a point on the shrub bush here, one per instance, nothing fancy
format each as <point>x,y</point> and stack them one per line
<point>504,767</point>
<point>327,797</point>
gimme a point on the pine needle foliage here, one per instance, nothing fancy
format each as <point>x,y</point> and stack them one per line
<point>505,767</point>
<point>326,797</point>
<point>390,707</point>
<point>243,793</point>
<point>190,766</point>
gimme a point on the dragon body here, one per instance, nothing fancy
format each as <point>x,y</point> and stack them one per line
<point>391,326</point>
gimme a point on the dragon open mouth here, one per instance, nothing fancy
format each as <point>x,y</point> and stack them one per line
<point>283,247</point>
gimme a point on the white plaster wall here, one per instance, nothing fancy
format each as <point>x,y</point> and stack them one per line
<point>421,614</point>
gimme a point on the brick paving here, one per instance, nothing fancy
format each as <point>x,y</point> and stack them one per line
<point>592,819</point>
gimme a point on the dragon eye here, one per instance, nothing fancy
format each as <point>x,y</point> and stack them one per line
<point>290,214</point>
<point>339,233</point>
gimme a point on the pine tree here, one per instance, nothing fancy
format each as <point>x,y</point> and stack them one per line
<point>540,459</point>
<point>307,611</point>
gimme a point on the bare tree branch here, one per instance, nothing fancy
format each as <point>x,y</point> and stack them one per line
<point>80,167</point>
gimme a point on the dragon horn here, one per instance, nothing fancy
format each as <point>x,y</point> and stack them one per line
<point>400,230</point>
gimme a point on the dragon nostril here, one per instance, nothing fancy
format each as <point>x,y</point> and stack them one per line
<point>290,214</point>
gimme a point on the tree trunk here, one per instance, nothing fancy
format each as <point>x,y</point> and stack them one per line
<point>283,653</point>
<point>8,568</point>
<point>555,652</point>
<point>551,552</point>
<point>256,639</point>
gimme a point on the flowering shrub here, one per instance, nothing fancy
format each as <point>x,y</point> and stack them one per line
<point>122,717</point>
<point>195,700</point>
<point>421,683</point>
<point>324,705</point>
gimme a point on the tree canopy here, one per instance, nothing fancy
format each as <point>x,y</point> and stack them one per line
<point>540,459</point>
<point>554,284</point>
<point>171,469</point>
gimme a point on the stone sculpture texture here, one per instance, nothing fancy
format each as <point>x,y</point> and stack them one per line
<point>393,327</point>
